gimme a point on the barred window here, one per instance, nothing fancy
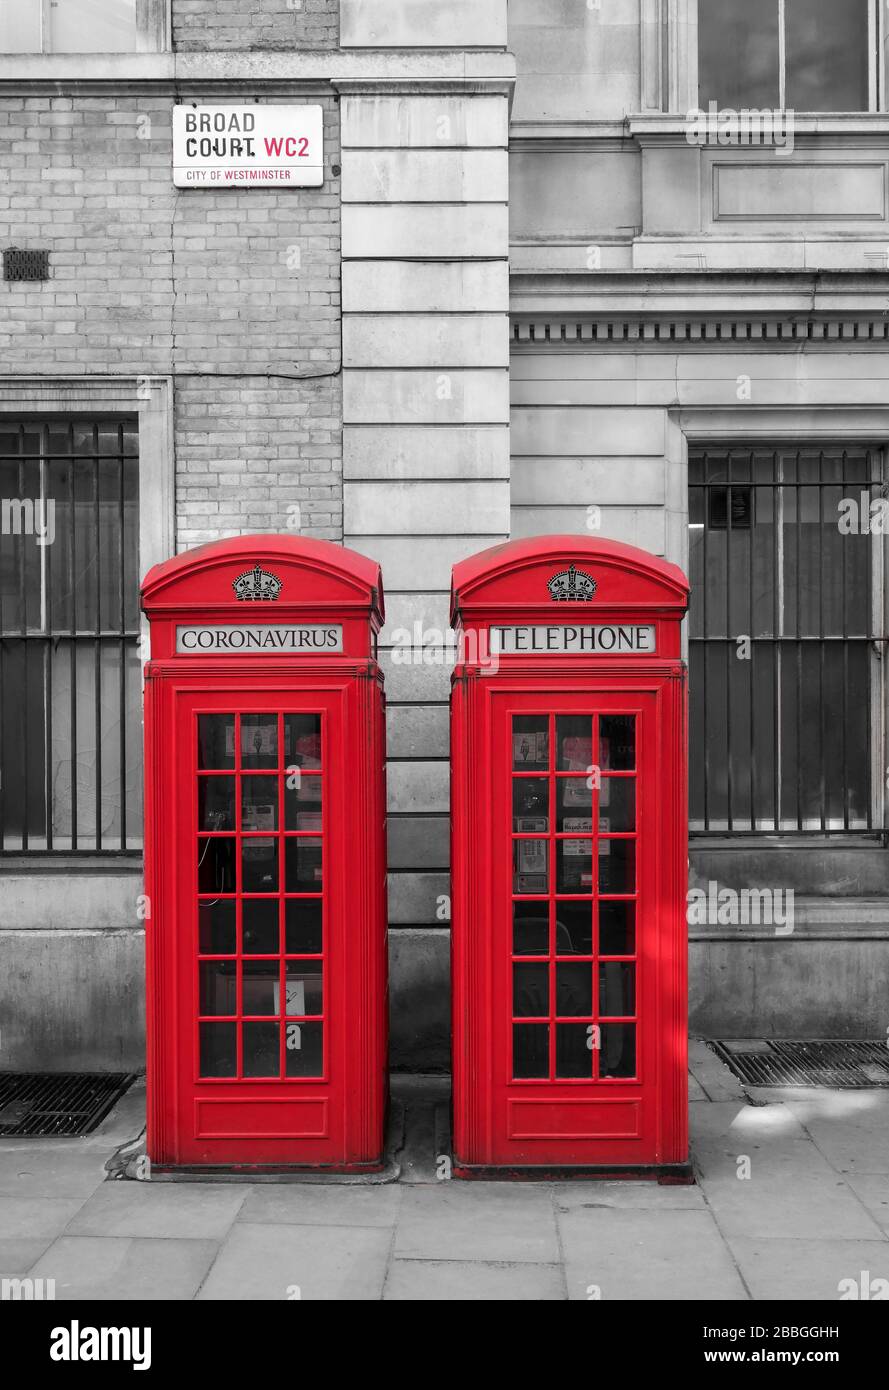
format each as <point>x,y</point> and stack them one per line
<point>70,671</point>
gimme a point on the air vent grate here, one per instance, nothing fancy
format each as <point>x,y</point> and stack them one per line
<point>19,264</point>
<point>845,1065</point>
<point>59,1103</point>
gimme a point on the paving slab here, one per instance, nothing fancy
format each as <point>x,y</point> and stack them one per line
<point>503,1222</point>
<point>162,1210</point>
<point>17,1256</point>
<point>265,1262</point>
<point>717,1081</point>
<point>787,1203</point>
<point>772,1122</point>
<point>872,1190</point>
<point>57,1168</point>
<point>635,1196</point>
<point>473,1281</point>
<point>809,1269</point>
<point>37,1215</point>
<point>851,1128</point>
<point>291,1205</point>
<point>92,1267</point>
<point>644,1254</point>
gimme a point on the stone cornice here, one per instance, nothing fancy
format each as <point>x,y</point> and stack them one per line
<point>685,329</point>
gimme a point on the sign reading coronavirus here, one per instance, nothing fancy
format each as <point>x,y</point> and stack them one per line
<point>222,146</point>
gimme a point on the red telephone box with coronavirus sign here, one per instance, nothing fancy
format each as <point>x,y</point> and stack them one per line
<point>265,858</point>
<point>569,861</point>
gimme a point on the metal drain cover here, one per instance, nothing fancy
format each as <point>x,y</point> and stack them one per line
<point>60,1103</point>
<point>840,1064</point>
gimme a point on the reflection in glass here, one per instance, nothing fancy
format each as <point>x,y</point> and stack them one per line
<point>530,805</point>
<point>617,989</point>
<point>216,803</point>
<point>530,929</point>
<point>216,741</point>
<point>575,802</point>
<point>574,1053</point>
<point>259,803</point>
<point>617,804</point>
<point>303,1049</point>
<point>302,740</point>
<point>617,742</point>
<point>530,866</point>
<point>617,1054</point>
<point>218,1044</point>
<point>218,987</point>
<point>617,866</point>
<point>574,741</point>
<point>260,986</point>
<point>827,55</point>
<point>574,990</point>
<point>617,928</point>
<point>575,866</point>
<point>530,990</point>
<point>259,925</point>
<point>530,1050</point>
<point>259,865</point>
<point>216,928</point>
<point>304,990</point>
<point>302,801</point>
<point>216,865</point>
<point>738,49</point>
<point>302,926</point>
<point>530,741</point>
<point>261,1057</point>
<point>259,740</point>
<point>574,929</point>
<point>303,872</point>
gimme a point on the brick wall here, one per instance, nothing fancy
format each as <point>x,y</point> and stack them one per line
<point>234,292</point>
<point>251,24</point>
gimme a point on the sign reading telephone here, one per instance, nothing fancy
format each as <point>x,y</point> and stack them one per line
<point>220,146</point>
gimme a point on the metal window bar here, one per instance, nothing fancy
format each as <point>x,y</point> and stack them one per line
<point>69,633</point>
<point>768,562</point>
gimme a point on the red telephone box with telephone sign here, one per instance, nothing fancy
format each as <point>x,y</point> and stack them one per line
<point>265,857</point>
<point>569,861</point>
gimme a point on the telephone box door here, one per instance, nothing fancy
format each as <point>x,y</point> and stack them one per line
<point>575,959</point>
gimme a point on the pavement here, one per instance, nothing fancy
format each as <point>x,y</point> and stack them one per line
<point>791,1202</point>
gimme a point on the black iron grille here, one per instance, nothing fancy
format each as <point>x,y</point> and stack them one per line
<point>846,1065</point>
<point>60,1103</point>
<point>19,264</point>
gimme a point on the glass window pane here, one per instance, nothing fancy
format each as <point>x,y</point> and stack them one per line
<point>302,741</point>
<point>530,804</point>
<point>261,1056</point>
<point>574,741</point>
<point>617,989</point>
<point>530,1050</point>
<point>574,1050</point>
<point>216,928</point>
<point>218,1043</point>
<point>530,990</point>
<point>617,928</point>
<point>738,53</point>
<point>93,26</point>
<point>530,741</point>
<point>827,55</point>
<point>617,804</point>
<point>574,990</point>
<point>530,929</point>
<point>304,992</point>
<point>530,866</point>
<point>216,741</point>
<point>302,801</point>
<point>259,740</point>
<point>575,866</point>
<point>261,987</point>
<point>216,803</point>
<point>574,929</point>
<point>617,866</point>
<point>302,927</point>
<point>259,925</point>
<point>304,1049</point>
<point>259,865</point>
<point>216,865</point>
<point>304,865</point>
<point>575,799</point>
<point>20,32</point>
<point>218,987</point>
<point>259,803</point>
<point>617,1051</point>
<point>617,742</point>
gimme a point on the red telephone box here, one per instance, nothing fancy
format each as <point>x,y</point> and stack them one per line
<point>569,861</point>
<point>265,857</point>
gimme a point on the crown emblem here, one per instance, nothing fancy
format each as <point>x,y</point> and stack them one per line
<point>572,586</point>
<point>256,585</point>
